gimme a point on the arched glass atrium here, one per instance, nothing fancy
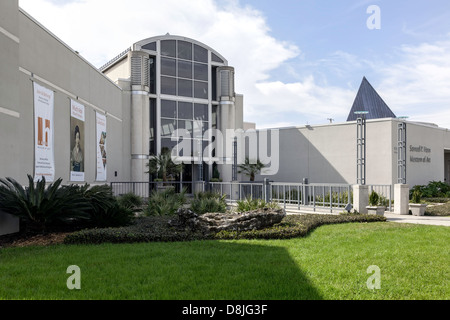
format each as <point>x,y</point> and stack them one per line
<point>185,82</point>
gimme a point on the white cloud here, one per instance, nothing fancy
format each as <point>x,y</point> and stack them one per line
<point>418,85</point>
<point>305,101</point>
<point>101,29</point>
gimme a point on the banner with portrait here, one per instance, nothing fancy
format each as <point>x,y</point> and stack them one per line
<point>101,146</point>
<point>44,159</point>
<point>77,119</point>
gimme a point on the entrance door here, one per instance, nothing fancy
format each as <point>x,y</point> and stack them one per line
<point>187,177</point>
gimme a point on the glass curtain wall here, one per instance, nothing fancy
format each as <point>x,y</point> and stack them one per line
<point>184,75</point>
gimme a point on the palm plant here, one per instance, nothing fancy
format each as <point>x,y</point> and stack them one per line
<point>105,210</point>
<point>249,204</point>
<point>163,165</point>
<point>204,202</point>
<point>166,202</point>
<point>41,205</point>
<point>251,168</point>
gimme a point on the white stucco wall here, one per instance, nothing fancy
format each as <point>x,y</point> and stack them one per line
<point>38,56</point>
<point>425,153</point>
<point>31,53</point>
<point>327,153</point>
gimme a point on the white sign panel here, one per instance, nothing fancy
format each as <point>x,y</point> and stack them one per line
<point>101,147</point>
<point>77,117</point>
<point>44,162</point>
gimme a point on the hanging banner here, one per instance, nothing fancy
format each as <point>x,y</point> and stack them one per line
<point>77,118</point>
<point>101,146</point>
<point>44,160</point>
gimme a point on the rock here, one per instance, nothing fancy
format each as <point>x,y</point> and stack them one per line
<point>186,219</point>
<point>215,222</point>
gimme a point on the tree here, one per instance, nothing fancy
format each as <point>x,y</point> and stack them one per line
<point>251,168</point>
<point>163,165</point>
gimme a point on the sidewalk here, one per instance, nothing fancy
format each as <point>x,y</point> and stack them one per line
<point>392,217</point>
<point>430,220</point>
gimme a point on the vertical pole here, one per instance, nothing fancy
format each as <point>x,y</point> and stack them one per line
<point>401,153</point>
<point>331,199</point>
<point>390,198</point>
<point>305,191</point>
<point>314,197</point>
<point>240,191</point>
<point>234,167</point>
<point>361,150</point>
<point>323,196</point>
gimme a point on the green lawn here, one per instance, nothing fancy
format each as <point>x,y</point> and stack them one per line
<point>330,263</point>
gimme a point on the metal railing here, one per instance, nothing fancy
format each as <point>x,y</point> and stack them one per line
<point>313,196</point>
<point>235,191</point>
<point>144,189</point>
<point>298,196</point>
<point>292,196</point>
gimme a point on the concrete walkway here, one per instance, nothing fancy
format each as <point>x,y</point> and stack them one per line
<point>392,217</point>
<point>430,220</point>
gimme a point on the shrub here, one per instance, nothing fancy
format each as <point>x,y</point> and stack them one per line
<point>105,210</point>
<point>384,201</point>
<point>40,205</point>
<point>335,197</point>
<point>143,229</point>
<point>433,189</point>
<point>416,196</point>
<point>253,204</point>
<point>204,202</point>
<point>436,200</point>
<point>152,229</point>
<point>374,199</point>
<point>438,210</point>
<point>130,201</point>
<point>293,226</point>
<point>112,216</point>
<point>166,202</point>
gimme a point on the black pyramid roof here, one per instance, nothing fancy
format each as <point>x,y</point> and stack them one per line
<point>367,99</point>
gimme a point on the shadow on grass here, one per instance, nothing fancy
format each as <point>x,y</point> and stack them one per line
<point>198,270</point>
<point>223,270</point>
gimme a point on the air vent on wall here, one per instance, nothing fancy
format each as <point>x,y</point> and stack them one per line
<point>145,73</point>
<point>224,83</point>
<point>136,67</point>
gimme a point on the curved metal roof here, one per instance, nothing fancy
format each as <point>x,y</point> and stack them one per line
<point>138,45</point>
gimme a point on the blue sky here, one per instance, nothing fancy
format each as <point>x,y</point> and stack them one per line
<point>320,28</point>
<point>297,61</point>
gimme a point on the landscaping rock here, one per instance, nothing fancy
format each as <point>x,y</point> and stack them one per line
<point>215,222</point>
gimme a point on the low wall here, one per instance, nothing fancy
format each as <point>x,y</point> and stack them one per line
<point>8,224</point>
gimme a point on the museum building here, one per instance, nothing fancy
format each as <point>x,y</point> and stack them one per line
<point>65,118</point>
<point>61,117</point>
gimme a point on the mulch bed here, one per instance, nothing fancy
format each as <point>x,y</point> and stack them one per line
<point>21,240</point>
<point>33,237</point>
